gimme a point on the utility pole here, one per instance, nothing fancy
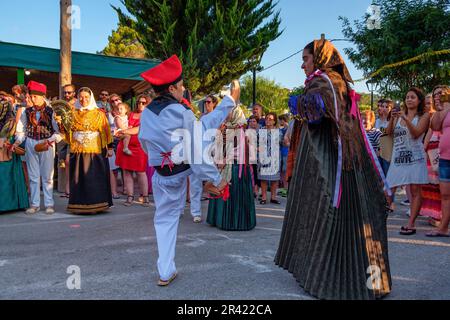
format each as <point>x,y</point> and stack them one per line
<point>65,74</point>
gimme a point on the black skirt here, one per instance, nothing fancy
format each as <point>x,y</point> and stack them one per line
<point>90,185</point>
<point>331,252</point>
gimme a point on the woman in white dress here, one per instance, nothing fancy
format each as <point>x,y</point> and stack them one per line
<point>409,162</point>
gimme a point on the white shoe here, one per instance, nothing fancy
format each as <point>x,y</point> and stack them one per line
<point>32,210</point>
<point>128,152</point>
<point>197,219</point>
<point>49,210</point>
<point>408,213</point>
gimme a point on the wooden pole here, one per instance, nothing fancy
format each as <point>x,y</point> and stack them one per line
<point>65,75</point>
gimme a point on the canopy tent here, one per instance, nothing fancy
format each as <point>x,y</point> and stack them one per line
<point>96,71</point>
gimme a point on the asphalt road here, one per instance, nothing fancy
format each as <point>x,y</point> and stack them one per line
<point>115,254</point>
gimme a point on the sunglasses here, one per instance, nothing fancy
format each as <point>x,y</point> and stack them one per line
<point>116,100</point>
<point>104,94</point>
<point>208,101</point>
<point>69,92</point>
<point>142,102</point>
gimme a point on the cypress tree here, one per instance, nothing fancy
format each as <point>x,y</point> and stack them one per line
<point>216,40</point>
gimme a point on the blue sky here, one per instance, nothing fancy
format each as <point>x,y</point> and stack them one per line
<point>37,23</point>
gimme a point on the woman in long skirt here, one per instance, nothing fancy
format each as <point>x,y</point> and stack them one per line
<point>334,230</point>
<point>13,190</point>
<point>90,142</point>
<point>238,212</point>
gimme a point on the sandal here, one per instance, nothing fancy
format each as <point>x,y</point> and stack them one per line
<point>275,201</point>
<point>405,231</point>
<point>263,202</point>
<point>165,283</point>
<point>116,197</point>
<point>129,203</point>
<point>146,201</point>
<point>65,195</point>
<point>437,234</point>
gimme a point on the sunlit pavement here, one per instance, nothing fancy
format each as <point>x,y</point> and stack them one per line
<point>116,254</point>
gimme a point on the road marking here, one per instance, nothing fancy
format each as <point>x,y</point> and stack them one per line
<point>419,242</point>
<point>270,229</point>
<point>408,279</point>
<point>270,209</point>
<point>253,262</point>
<point>395,227</point>
<point>3,263</point>
<point>270,216</point>
<point>294,295</point>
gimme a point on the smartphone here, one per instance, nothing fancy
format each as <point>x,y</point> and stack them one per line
<point>397,107</point>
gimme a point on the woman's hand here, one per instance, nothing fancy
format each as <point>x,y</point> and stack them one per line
<point>118,133</point>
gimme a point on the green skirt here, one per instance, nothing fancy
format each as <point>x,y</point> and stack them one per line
<point>238,213</point>
<point>13,190</point>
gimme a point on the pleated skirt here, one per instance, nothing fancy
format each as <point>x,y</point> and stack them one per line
<point>334,254</point>
<point>13,190</point>
<point>238,213</point>
<point>90,186</point>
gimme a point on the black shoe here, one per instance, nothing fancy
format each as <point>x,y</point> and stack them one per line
<point>262,202</point>
<point>275,201</point>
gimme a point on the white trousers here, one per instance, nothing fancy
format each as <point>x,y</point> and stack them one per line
<point>195,195</point>
<point>170,199</point>
<point>40,165</point>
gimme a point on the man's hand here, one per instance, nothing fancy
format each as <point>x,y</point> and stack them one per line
<point>222,185</point>
<point>210,188</point>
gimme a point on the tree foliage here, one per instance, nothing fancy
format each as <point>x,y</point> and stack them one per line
<point>408,28</point>
<point>216,40</point>
<point>124,42</point>
<point>271,95</point>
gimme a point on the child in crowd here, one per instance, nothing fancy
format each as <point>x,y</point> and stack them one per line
<point>121,122</point>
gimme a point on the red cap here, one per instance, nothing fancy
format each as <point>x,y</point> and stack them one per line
<point>37,88</point>
<point>167,72</point>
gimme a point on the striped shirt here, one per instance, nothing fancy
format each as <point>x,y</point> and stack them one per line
<point>374,138</point>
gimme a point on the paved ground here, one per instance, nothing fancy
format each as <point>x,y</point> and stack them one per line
<point>116,254</point>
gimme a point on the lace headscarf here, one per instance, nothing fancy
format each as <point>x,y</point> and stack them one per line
<point>92,103</point>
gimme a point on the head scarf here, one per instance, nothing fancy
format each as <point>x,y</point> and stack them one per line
<point>326,57</point>
<point>92,103</point>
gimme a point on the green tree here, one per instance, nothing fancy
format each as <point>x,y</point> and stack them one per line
<point>124,42</point>
<point>216,40</point>
<point>408,28</point>
<point>271,95</point>
<point>297,91</point>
